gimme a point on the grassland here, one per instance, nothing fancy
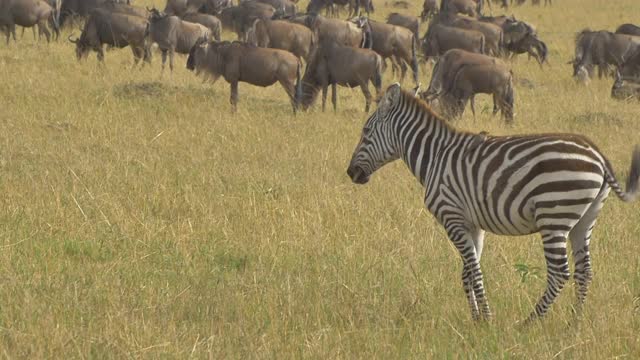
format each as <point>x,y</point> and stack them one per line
<point>139,218</point>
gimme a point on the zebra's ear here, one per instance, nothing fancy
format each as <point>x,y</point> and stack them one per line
<point>390,99</point>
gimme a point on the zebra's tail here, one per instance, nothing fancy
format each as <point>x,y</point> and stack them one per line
<point>633,182</point>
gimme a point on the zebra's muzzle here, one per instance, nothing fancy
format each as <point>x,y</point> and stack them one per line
<point>357,175</point>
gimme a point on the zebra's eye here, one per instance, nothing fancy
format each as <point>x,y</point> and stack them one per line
<point>366,130</point>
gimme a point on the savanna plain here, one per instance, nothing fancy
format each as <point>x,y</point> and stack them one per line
<point>140,218</point>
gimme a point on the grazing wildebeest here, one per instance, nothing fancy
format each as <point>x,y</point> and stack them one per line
<point>211,22</point>
<point>27,13</point>
<point>625,88</point>
<point>280,34</point>
<point>340,31</point>
<point>551,184</point>
<point>334,64</point>
<point>429,9</point>
<point>240,62</point>
<point>285,7</point>
<point>602,49</point>
<point>447,66</point>
<point>493,34</point>
<point>409,22</point>
<point>470,79</point>
<point>519,37</point>
<point>173,34</point>
<point>240,18</point>
<point>628,29</point>
<point>441,38</point>
<point>115,30</point>
<point>393,42</point>
<point>467,7</point>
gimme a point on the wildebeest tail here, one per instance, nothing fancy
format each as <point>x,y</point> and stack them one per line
<point>414,58</point>
<point>633,181</point>
<point>377,77</point>
<point>509,97</point>
<point>483,45</point>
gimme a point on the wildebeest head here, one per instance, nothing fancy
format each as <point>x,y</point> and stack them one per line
<point>82,47</point>
<point>625,87</point>
<point>197,54</point>
<point>156,15</point>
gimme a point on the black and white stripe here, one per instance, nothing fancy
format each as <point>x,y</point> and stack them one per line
<point>554,184</point>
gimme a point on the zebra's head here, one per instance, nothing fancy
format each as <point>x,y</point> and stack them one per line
<point>377,145</point>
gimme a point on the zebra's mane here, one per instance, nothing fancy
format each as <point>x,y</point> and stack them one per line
<point>423,107</point>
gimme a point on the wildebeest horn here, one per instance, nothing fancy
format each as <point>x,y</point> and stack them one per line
<point>72,41</point>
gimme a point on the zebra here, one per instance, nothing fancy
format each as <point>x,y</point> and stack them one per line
<point>553,184</point>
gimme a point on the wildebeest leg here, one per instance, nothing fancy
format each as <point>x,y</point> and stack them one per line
<point>137,55</point>
<point>334,96</point>
<point>42,28</point>
<point>164,60</point>
<point>367,95</point>
<point>234,96</point>
<point>100,54</point>
<point>495,105</point>
<point>325,89</point>
<point>403,70</point>
<point>172,52</point>
<point>290,88</point>
<point>473,107</point>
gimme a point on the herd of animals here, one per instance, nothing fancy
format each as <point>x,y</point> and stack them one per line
<point>307,52</point>
<point>553,184</point>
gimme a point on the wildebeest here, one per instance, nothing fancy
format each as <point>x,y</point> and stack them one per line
<point>493,34</point>
<point>240,18</point>
<point>173,34</point>
<point>448,64</point>
<point>429,9</point>
<point>123,8</point>
<point>519,37</point>
<point>284,7</point>
<point>115,30</point>
<point>279,34</point>
<point>467,7</point>
<point>334,64</point>
<point>181,7</point>
<point>494,79</point>
<point>628,29</point>
<point>625,88</point>
<point>209,21</point>
<point>602,49</point>
<point>82,8</point>
<point>410,22</point>
<point>393,42</point>
<point>340,31</point>
<point>27,13</point>
<point>239,62</point>
<point>441,38</point>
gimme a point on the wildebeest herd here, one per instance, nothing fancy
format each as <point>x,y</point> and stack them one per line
<point>469,49</point>
<point>308,52</point>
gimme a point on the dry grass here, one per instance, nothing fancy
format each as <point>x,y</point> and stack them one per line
<point>140,218</point>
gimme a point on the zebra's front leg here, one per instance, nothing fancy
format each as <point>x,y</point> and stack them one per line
<point>555,253</point>
<point>468,242</point>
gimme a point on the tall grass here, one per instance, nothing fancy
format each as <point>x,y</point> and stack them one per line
<point>140,218</point>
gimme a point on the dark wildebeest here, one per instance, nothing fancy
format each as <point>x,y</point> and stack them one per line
<point>441,38</point>
<point>519,37</point>
<point>628,29</point>
<point>173,34</point>
<point>209,21</point>
<point>393,42</point>
<point>239,62</point>
<point>334,64</point>
<point>410,22</point>
<point>447,66</point>
<point>429,9</point>
<point>470,79</point>
<point>239,19</point>
<point>27,13</point>
<point>602,49</point>
<point>283,7</point>
<point>625,88</point>
<point>81,8</point>
<point>493,34</point>
<point>280,34</point>
<point>181,7</point>
<point>331,7</point>
<point>115,30</point>
<point>340,31</point>
<point>467,7</point>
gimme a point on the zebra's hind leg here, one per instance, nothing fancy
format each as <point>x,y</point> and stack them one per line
<point>580,237</point>
<point>555,253</point>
